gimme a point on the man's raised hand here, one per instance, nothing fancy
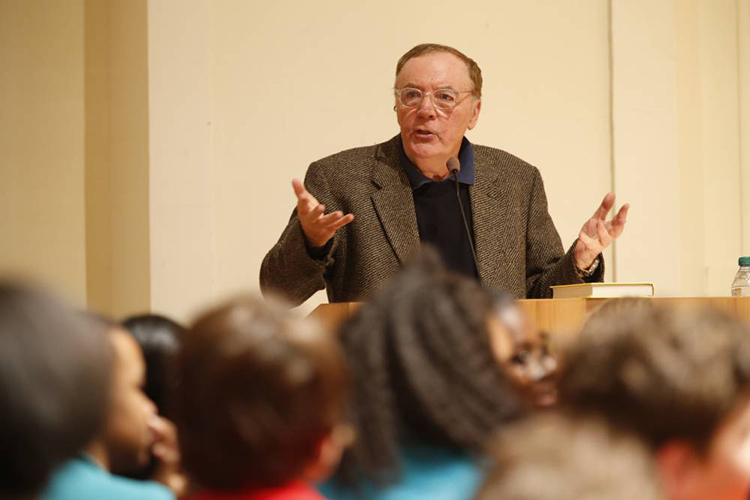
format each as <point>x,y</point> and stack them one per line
<point>318,227</point>
<point>597,233</point>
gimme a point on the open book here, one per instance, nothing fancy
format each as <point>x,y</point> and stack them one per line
<point>603,290</point>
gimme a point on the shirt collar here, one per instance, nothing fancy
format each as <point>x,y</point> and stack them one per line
<point>417,179</point>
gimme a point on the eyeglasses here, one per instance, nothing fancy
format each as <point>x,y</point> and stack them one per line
<point>443,99</point>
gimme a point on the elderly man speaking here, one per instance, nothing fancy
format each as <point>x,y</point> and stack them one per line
<point>361,213</point>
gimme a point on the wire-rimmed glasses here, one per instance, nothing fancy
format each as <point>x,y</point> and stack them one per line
<point>443,99</point>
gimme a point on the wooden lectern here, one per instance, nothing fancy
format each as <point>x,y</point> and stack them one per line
<point>560,316</point>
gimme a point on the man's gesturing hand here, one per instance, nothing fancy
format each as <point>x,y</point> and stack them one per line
<point>318,228</point>
<point>597,233</point>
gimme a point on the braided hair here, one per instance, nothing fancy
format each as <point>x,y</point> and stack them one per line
<point>422,370</point>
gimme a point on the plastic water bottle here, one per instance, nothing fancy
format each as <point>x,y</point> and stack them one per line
<point>741,283</point>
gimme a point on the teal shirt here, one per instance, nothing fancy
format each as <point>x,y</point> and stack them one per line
<point>82,479</point>
<point>426,473</point>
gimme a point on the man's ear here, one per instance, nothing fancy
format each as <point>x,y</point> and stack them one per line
<point>676,463</point>
<point>475,114</point>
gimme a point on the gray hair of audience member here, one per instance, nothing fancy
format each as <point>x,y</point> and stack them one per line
<point>557,457</point>
<point>54,385</point>
<point>664,373</point>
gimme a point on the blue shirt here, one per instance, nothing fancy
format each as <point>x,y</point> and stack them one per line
<point>82,479</point>
<point>439,218</point>
<point>427,472</point>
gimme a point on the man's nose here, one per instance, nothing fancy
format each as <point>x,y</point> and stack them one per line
<point>426,108</point>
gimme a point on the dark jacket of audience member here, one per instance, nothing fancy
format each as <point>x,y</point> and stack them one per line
<point>424,379</point>
<point>54,385</point>
<point>260,395</point>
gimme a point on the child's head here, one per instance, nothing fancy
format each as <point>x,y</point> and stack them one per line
<point>523,352</point>
<point>260,397</point>
<point>423,370</point>
<point>568,457</point>
<point>54,386</point>
<point>678,378</point>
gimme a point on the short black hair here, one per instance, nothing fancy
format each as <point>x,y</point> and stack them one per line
<point>159,338</point>
<point>54,385</point>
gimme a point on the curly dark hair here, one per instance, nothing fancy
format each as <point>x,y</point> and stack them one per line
<point>422,370</point>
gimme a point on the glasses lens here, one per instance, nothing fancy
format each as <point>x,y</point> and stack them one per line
<point>410,97</point>
<point>444,99</point>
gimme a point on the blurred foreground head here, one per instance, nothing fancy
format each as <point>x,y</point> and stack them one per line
<point>54,386</point>
<point>678,378</point>
<point>423,370</point>
<point>159,338</point>
<point>260,397</point>
<point>553,457</point>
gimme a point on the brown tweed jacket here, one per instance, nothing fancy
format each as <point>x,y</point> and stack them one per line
<point>517,245</point>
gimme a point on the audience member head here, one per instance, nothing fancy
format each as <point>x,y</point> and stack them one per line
<point>261,398</point>
<point>159,338</point>
<point>678,378</point>
<point>54,383</point>
<point>523,352</point>
<point>423,370</point>
<point>125,442</point>
<point>554,457</point>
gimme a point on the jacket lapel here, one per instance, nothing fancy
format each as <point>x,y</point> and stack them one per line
<point>393,201</point>
<point>489,208</point>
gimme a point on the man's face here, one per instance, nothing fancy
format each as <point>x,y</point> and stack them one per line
<point>128,435</point>
<point>428,132</point>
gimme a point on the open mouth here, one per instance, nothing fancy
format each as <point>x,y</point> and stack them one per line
<point>423,133</point>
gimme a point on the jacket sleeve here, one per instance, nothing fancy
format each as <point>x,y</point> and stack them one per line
<point>546,263</point>
<point>288,269</point>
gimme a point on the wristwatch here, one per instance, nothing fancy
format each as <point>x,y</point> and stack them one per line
<point>587,273</point>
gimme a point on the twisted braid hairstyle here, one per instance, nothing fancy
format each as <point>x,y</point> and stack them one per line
<point>422,370</point>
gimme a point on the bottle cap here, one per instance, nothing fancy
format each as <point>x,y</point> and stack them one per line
<point>745,261</point>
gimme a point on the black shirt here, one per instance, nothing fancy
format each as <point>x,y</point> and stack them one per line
<point>438,213</point>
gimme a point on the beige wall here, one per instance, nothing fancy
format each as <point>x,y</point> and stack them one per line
<point>181,217</point>
<point>676,143</point>
<point>743,53</point>
<point>117,163</point>
<point>42,227</point>
<point>198,113</point>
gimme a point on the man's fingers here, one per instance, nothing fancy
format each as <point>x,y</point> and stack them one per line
<point>329,219</point>
<point>312,216</point>
<point>305,201</point>
<point>607,204</point>
<point>622,215</point>
<point>299,188</point>
<point>604,237</point>
<point>343,221</point>
<point>591,244</point>
<point>617,225</point>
